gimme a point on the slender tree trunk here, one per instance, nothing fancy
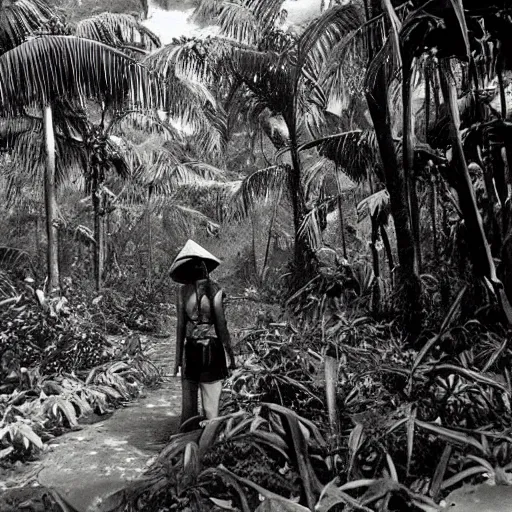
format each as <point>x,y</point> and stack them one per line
<point>52,256</point>
<point>150,245</point>
<point>342,226</point>
<point>98,228</point>
<point>408,158</point>
<point>480,251</point>
<point>499,71</point>
<point>433,215</point>
<point>407,278</point>
<point>302,252</point>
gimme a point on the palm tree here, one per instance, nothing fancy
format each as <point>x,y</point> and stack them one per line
<point>275,72</point>
<point>75,60</point>
<point>45,68</point>
<point>419,32</point>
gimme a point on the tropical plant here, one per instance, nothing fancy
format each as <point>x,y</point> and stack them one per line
<point>274,72</point>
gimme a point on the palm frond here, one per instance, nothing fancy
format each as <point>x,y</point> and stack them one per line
<point>49,67</point>
<point>118,30</point>
<point>268,75</point>
<point>261,186</point>
<point>314,175</point>
<point>323,34</point>
<point>240,22</point>
<point>247,21</point>
<point>21,19</point>
<point>310,226</point>
<point>355,152</point>
<point>376,206</point>
<point>195,59</point>
<point>163,171</point>
<point>187,101</point>
<point>12,258</point>
<point>180,220</point>
<point>268,10</point>
<point>147,122</point>
<point>26,173</point>
<point>341,73</point>
<point>160,172</point>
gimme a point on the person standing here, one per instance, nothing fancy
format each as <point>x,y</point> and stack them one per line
<point>202,336</point>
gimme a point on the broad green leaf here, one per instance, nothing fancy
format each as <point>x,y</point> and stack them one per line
<point>462,475</point>
<point>264,492</point>
<point>284,412</point>
<point>232,481</point>
<point>392,468</point>
<point>209,435</point>
<point>355,441</point>
<point>332,495</point>
<point>223,504</point>
<point>450,434</point>
<point>191,462</point>
<point>29,434</point>
<point>437,479</point>
<point>272,440</point>
<point>470,374</point>
<point>279,505</point>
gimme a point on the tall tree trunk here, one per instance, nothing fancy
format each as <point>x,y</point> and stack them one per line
<point>433,215</point>
<point>408,158</point>
<point>145,8</point>
<point>303,256</point>
<point>150,253</point>
<point>98,228</point>
<point>342,225</point>
<point>407,278</point>
<point>50,188</point>
<point>480,251</point>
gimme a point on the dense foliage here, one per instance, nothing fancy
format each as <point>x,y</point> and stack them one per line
<point>353,168</point>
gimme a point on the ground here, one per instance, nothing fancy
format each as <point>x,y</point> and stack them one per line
<point>104,455</point>
<point>109,451</point>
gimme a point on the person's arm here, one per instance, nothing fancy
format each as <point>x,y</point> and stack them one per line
<point>181,328</point>
<point>221,326</point>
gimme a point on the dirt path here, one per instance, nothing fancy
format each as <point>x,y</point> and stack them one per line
<point>102,457</point>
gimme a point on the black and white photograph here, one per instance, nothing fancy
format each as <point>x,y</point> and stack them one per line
<point>255,255</point>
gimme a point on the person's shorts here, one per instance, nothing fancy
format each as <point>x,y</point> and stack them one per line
<point>205,360</point>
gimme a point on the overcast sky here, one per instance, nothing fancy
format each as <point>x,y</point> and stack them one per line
<point>169,24</point>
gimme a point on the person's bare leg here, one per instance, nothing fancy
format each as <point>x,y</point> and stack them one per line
<point>210,394</point>
<point>189,391</point>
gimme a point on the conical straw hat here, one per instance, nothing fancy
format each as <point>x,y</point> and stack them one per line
<point>182,268</point>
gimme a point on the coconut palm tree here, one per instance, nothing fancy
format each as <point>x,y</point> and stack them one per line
<point>39,71</point>
<point>112,88</point>
<point>275,71</point>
